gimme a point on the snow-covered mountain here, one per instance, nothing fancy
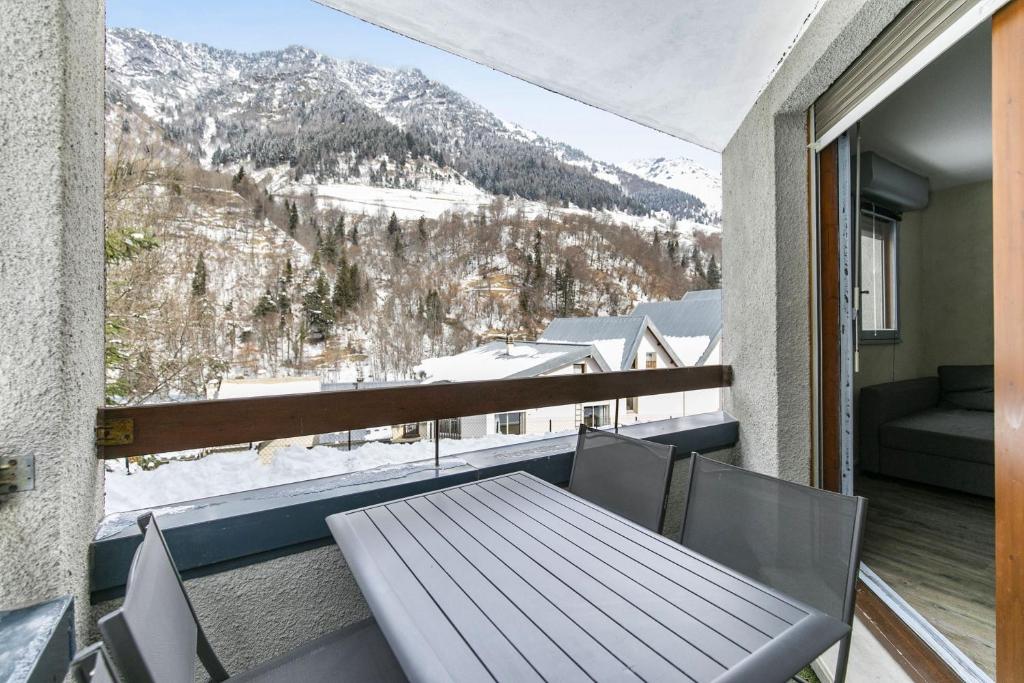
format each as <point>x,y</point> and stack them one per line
<point>682,174</point>
<point>329,122</point>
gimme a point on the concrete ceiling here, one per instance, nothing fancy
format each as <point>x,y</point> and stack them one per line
<point>690,68</point>
<point>940,123</point>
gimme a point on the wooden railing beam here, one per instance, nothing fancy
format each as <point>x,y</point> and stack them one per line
<point>161,428</point>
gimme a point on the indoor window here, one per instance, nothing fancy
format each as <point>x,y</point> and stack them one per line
<point>878,278</point>
<point>510,423</point>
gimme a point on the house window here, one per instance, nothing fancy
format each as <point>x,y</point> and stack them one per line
<point>651,360</point>
<point>449,428</point>
<point>510,423</point>
<point>596,416</point>
<point>878,278</point>
<point>579,368</point>
<point>411,430</point>
<point>631,404</point>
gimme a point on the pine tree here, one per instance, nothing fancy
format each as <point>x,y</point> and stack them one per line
<point>565,290</point>
<point>355,234</point>
<point>538,265</point>
<point>395,233</point>
<point>697,259</point>
<point>238,178</point>
<point>289,273</point>
<point>342,297</point>
<point>293,219</point>
<point>265,305</point>
<point>199,277</point>
<point>433,314</point>
<point>319,312</point>
<point>714,275</point>
<point>421,227</point>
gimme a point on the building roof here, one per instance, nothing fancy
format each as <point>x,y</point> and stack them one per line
<point>266,386</point>
<point>493,361</point>
<point>690,69</point>
<point>617,337</point>
<point>692,325</point>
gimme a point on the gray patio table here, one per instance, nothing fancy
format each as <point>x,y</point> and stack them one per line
<point>514,579</point>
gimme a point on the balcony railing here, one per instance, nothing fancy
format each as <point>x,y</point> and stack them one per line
<point>160,428</point>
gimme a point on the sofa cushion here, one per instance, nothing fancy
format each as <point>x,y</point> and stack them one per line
<point>968,386</point>
<point>950,432</point>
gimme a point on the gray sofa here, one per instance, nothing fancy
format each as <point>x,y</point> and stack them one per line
<point>933,430</point>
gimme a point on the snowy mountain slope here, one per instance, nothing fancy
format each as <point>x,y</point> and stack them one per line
<point>682,174</point>
<point>335,122</point>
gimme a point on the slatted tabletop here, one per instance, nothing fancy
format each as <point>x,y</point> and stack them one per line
<point>513,579</point>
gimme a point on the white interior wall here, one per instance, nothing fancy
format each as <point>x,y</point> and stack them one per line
<point>945,280</point>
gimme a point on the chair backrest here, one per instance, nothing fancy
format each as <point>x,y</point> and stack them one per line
<point>802,541</point>
<point>628,476</point>
<point>91,665</point>
<point>154,636</point>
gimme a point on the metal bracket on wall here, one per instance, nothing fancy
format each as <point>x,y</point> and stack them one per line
<point>115,431</point>
<point>17,474</point>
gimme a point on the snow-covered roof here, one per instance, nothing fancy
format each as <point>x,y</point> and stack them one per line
<point>692,325</point>
<point>267,386</point>
<point>690,69</point>
<point>617,337</point>
<point>493,361</point>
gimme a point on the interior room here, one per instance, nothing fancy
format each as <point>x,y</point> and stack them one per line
<point>923,382</point>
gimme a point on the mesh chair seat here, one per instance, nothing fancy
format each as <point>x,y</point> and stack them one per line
<point>628,476</point>
<point>355,653</point>
<point>155,636</point>
<point>802,541</point>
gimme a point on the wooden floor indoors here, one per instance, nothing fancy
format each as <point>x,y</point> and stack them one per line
<point>936,548</point>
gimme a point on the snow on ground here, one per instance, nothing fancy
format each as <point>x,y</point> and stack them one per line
<point>681,174</point>
<point>435,198</point>
<point>219,473</point>
<point>406,203</point>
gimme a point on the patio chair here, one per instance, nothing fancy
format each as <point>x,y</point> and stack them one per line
<point>155,636</point>
<point>91,665</point>
<point>628,476</point>
<point>802,541</point>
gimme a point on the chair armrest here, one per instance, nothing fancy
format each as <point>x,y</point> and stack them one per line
<point>883,403</point>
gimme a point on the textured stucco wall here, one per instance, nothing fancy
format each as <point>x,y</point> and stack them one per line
<point>257,612</point>
<point>51,291</point>
<point>766,250</point>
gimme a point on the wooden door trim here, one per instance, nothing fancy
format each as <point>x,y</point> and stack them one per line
<point>919,661</point>
<point>1008,293</point>
<point>829,300</point>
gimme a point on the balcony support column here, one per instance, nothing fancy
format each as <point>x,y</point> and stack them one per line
<point>51,292</point>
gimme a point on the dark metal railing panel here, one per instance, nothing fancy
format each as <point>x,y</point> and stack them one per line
<point>162,428</point>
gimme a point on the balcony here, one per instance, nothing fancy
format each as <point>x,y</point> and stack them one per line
<point>260,565</point>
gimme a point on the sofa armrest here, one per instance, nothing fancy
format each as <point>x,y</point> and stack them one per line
<point>883,403</point>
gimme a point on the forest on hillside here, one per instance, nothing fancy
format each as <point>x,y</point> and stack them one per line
<point>210,275</point>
